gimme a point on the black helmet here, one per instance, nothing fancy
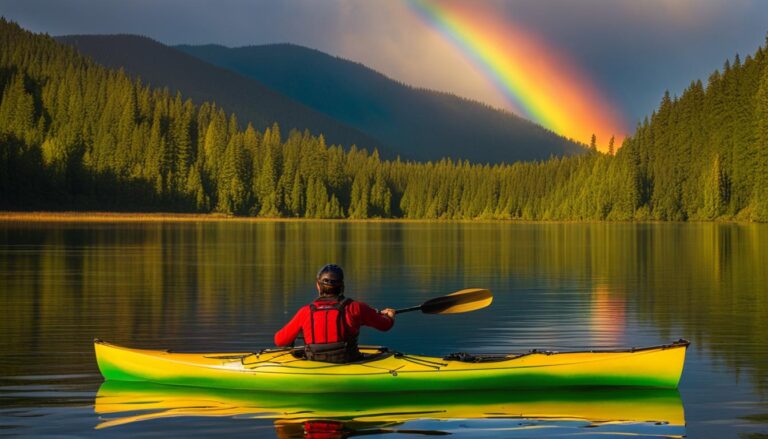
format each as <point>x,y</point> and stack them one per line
<point>330,274</point>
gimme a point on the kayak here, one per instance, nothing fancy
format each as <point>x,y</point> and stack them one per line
<point>382,370</point>
<point>120,403</point>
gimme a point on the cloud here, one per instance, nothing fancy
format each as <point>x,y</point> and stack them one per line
<point>403,48</point>
<point>679,13</point>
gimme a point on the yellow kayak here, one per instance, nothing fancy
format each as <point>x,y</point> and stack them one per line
<point>282,370</point>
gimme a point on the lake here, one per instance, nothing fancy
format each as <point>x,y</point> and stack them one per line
<point>229,285</point>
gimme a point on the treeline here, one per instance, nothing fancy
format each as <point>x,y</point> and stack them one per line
<point>76,135</point>
<point>705,154</point>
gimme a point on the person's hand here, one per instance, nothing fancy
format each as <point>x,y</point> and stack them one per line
<point>389,312</point>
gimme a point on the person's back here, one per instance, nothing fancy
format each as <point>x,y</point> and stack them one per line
<point>331,323</point>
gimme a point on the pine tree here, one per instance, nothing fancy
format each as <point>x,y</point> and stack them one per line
<point>760,190</point>
<point>215,143</point>
<point>313,208</point>
<point>154,163</point>
<point>125,128</point>
<point>266,181</point>
<point>233,192</point>
<point>380,198</point>
<point>713,191</point>
<point>334,208</point>
<point>17,109</point>
<point>181,135</point>
<point>321,200</point>
<point>359,197</point>
<point>296,205</point>
<point>196,191</point>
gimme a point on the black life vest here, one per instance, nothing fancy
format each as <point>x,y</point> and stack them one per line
<point>329,341</point>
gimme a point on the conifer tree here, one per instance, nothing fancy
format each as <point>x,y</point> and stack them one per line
<point>380,198</point>
<point>181,134</point>
<point>215,142</point>
<point>360,196</point>
<point>195,189</point>
<point>266,181</point>
<point>154,164</point>
<point>760,190</point>
<point>314,206</point>
<point>17,109</point>
<point>334,209</point>
<point>125,128</point>
<point>233,192</point>
<point>297,197</point>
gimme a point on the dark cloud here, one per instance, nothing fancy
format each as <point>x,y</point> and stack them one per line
<point>229,22</point>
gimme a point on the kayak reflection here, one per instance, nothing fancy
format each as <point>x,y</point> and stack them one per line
<point>627,411</point>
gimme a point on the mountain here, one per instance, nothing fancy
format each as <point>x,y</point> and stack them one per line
<point>416,123</point>
<point>163,66</point>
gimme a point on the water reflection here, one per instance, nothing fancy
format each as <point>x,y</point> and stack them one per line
<point>640,411</point>
<point>608,315</point>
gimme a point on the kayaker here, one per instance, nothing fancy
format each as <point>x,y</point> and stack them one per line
<point>331,323</point>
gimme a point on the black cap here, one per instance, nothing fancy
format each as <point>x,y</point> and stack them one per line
<point>330,274</point>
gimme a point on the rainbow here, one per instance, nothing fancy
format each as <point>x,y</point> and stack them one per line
<point>538,82</point>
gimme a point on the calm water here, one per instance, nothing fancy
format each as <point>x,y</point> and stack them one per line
<point>229,286</point>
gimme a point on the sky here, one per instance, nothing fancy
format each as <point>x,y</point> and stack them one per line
<point>526,56</point>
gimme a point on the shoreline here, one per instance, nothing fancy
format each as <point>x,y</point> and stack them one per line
<point>155,217</point>
<point>117,217</point>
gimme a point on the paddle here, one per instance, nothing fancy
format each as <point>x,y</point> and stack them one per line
<point>461,301</point>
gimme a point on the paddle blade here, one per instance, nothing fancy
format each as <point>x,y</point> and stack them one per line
<point>461,301</point>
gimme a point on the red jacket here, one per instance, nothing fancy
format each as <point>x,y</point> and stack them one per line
<point>357,314</point>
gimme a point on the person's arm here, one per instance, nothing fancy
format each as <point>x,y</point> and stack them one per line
<point>379,320</point>
<point>287,335</point>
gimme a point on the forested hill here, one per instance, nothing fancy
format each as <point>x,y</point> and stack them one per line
<point>76,135</point>
<point>416,123</point>
<point>161,66</point>
<point>705,154</point>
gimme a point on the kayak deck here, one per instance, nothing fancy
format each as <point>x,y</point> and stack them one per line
<point>384,371</point>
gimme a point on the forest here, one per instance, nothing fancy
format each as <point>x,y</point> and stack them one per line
<point>75,135</point>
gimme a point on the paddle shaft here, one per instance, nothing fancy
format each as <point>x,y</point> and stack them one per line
<point>413,308</point>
